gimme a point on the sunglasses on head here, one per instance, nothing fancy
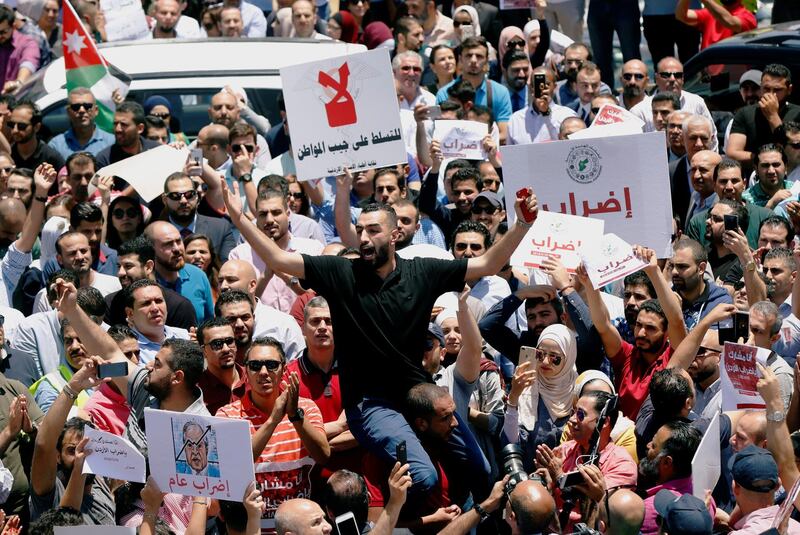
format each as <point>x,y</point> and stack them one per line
<point>177,195</point>
<point>131,212</point>
<point>219,343</point>
<point>552,357</point>
<point>78,105</point>
<point>256,365</point>
<point>478,210</point>
<point>239,147</point>
<point>628,76</point>
<point>477,247</point>
<point>669,74</point>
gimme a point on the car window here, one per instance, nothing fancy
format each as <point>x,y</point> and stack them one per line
<point>719,84</point>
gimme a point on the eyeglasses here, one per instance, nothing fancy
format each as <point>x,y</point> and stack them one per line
<point>119,213</point>
<point>19,126</point>
<point>516,43</point>
<point>219,343</point>
<point>299,195</point>
<point>88,106</point>
<point>6,170</point>
<point>478,210</point>
<point>669,74</point>
<point>256,365</point>
<point>628,76</point>
<point>552,357</point>
<point>238,147</point>
<point>706,351</point>
<point>581,415</point>
<point>410,68</point>
<point>476,247</point>
<point>177,195</point>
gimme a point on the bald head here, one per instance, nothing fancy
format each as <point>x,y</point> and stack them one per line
<point>333,248</point>
<point>533,507</point>
<point>160,230</point>
<point>12,218</point>
<point>636,64</point>
<point>216,134</point>
<point>569,126</point>
<point>237,275</point>
<point>300,517</point>
<point>625,513</point>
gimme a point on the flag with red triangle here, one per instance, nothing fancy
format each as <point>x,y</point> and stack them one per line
<point>85,67</point>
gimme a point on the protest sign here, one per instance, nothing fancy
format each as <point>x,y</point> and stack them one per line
<point>139,170</point>
<point>125,20</point>
<point>606,130</point>
<point>611,114</point>
<point>739,376</point>
<point>461,139</point>
<point>706,462</point>
<point>622,180</point>
<point>556,236</point>
<point>113,456</point>
<point>609,260</point>
<point>343,113</point>
<point>197,462</point>
<point>93,530</point>
<point>517,4</point>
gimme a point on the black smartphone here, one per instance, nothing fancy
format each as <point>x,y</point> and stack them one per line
<point>570,479</point>
<point>731,222</point>
<point>112,369</point>
<point>402,455</point>
<point>539,81</point>
<point>741,325</point>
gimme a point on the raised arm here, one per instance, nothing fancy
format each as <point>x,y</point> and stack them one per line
<point>498,256</point>
<point>43,179</point>
<point>341,210</point>
<point>725,17</point>
<point>276,258</point>
<point>612,341</point>
<point>778,441</point>
<point>243,164</point>
<point>73,493</point>
<point>468,361</point>
<point>736,241</point>
<point>684,14</point>
<point>686,351</point>
<point>676,328</point>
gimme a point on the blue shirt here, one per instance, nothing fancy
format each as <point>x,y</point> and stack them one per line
<point>148,348</point>
<point>501,101</point>
<point>193,284</point>
<point>67,143</point>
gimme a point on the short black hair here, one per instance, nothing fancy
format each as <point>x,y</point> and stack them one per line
<point>7,15</point>
<point>475,42</point>
<point>81,157</point>
<point>726,163</point>
<point>599,399</point>
<point>512,55</point>
<point>466,174</point>
<point>61,516</point>
<point>768,147</point>
<point>404,25</point>
<point>134,108</point>
<point>654,307</point>
<point>185,356</point>
<point>778,221</point>
<point>473,226</point>
<point>681,446</point>
<point>91,301</point>
<point>140,246</point>
<point>76,425</point>
<point>84,211</point>
<point>782,253</point>
<point>210,324</point>
<point>141,283</point>
<point>533,302</point>
<point>420,399</point>
<point>381,207</point>
<point>120,333</point>
<point>435,50</point>
<point>739,210</point>
<point>462,91</point>
<point>668,96</point>
<point>401,179</point>
<point>266,341</point>
<point>640,278</point>
<point>232,296</point>
<point>36,113</point>
<point>669,391</point>
<point>777,70</point>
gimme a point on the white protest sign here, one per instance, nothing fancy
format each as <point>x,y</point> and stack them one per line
<point>706,462</point>
<point>739,375</point>
<point>461,139</point>
<point>612,114</point>
<point>125,20</point>
<point>606,130</point>
<point>113,456</point>
<point>517,4</point>
<point>140,170</point>
<point>343,113</point>
<point>622,180</point>
<point>195,460</point>
<point>609,260</point>
<point>93,530</point>
<point>556,236</point>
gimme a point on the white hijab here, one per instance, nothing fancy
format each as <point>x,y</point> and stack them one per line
<point>558,391</point>
<point>473,14</point>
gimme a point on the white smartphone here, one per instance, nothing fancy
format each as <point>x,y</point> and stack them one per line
<point>434,112</point>
<point>467,31</point>
<point>346,524</point>
<point>196,157</point>
<point>527,354</point>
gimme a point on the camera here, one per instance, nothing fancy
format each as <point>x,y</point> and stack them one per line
<point>583,529</point>
<point>513,466</point>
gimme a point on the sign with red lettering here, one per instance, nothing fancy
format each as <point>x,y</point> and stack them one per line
<point>559,237</point>
<point>611,114</point>
<point>739,376</point>
<point>343,113</point>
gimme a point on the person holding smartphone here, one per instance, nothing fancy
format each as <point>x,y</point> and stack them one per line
<point>541,120</point>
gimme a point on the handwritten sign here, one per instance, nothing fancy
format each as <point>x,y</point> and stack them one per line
<point>93,530</point>
<point>739,375</point>
<point>706,462</point>
<point>609,260</point>
<point>125,20</point>
<point>343,113</point>
<point>461,139</point>
<point>194,460</point>
<point>611,114</point>
<point>622,180</point>
<point>556,236</point>
<point>113,456</point>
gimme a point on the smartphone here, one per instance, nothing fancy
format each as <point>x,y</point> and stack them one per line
<point>402,454</point>
<point>539,81</point>
<point>527,354</point>
<point>731,222</point>
<point>467,31</point>
<point>112,369</point>
<point>346,524</point>
<point>741,325</point>
<point>434,112</point>
<point>196,157</point>
<point>570,479</point>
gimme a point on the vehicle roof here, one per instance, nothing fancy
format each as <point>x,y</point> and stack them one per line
<point>779,43</point>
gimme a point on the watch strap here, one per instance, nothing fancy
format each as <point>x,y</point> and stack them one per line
<point>481,511</point>
<point>297,416</point>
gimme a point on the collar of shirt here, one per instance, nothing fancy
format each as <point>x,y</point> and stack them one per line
<point>71,139</point>
<point>145,341</point>
<point>681,486</point>
<point>190,226</point>
<point>536,113</point>
<point>766,513</point>
<point>309,367</point>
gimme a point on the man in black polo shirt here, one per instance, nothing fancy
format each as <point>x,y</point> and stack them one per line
<point>380,305</point>
<point>22,129</point>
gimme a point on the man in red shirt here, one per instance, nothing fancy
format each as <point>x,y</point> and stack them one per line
<point>716,21</point>
<point>659,328</point>
<point>223,380</point>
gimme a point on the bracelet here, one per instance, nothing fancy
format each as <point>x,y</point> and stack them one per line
<point>70,393</point>
<point>198,502</point>
<point>41,199</point>
<point>524,224</point>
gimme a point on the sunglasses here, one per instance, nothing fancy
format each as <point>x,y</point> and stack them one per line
<point>85,105</point>
<point>239,147</point>
<point>297,195</point>
<point>706,351</point>
<point>795,146</point>
<point>552,357</point>
<point>410,68</point>
<point>516,43</point>
<point>457,24</point>
<point>162,116</point>
<point>219,343</point>
<point>6,170</point>
<point>669,74</point>
<point>476,247</point>
<point>628,76</point>
<point>177,195</point>
<point>256,365</point>
<point>478,210</point>
<point>19,126</point>
<point>119,213</point>
<point>581,415</point>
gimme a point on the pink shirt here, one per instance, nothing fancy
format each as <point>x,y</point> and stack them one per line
<point>678,487</point>
<point>19,51</point>
<point>760,520</point>
<point>108,410</point>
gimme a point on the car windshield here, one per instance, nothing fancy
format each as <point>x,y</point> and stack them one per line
<point>719,84</point>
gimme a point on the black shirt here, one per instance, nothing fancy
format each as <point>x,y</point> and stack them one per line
<point>114,153</point>
<point>180,311</point>
<point>381,325</point>
<point>751,122</point>
<point>43,153</point>
<point>722,266</point>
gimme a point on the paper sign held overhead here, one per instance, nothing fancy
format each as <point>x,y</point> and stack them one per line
<point>461,139</point>
<point>343,113</point>
<point>609,260</point>
<point>556,236</point>
<point>706,463</point>
<point>113,456</point>
<point>611,114</point>
<point>739,376</point>
<point>140,170</point>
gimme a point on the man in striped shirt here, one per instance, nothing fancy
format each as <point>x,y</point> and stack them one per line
<point>288,432</point>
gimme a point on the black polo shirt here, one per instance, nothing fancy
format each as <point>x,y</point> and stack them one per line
<point>751,122</point>
<point>380,325</point>
<point>43,153</point>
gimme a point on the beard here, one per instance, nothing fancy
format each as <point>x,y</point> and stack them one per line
<point>648,468</point>
<point>159,391</point>
<point>631,91</point>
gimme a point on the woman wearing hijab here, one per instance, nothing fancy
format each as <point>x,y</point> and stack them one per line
<point>510,37</point>
<point>537,38</point>
<point>378,35</point>
<point>160,107</point>
<point>342,26</point>
<point>541,398</point>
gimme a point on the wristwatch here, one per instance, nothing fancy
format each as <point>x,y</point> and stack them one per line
<point>776,416</point>
<point>297,416</point>
<point>751,265</point>
<point>481,511</point>
<point>294,281</point>
<point>247,177</point>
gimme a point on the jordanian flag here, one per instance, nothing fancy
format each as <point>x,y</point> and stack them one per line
<point>85,67</point>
